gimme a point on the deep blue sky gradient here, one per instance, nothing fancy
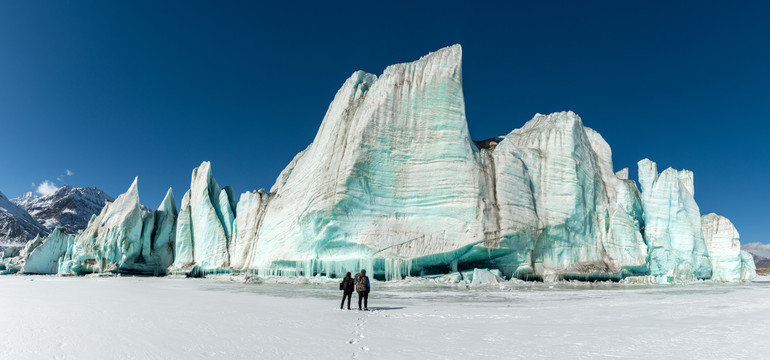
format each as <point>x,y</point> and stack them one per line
<point>113,90</point>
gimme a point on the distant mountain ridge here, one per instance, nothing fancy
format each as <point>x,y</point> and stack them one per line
<point>757,248</point>
<point>16,224</point>
<point>69,207</point>
<point>29,215</point>
<point>761,253</point>
<point>25,200</point>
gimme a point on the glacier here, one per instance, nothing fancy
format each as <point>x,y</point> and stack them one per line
<point>672,224</point>
<point>393,183</point>
<point>728,261</point>
<point>208,219</point>
<point>43,255</point>
<point>125,239</point>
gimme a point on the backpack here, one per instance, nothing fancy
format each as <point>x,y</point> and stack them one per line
<point>347,285</point>
<point>362,283</point>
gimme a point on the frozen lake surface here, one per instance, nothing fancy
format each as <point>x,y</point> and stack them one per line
<point>166,318</point>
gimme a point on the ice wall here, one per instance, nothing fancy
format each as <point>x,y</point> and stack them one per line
<point>183,245</point>
<point>677,250</point>
<point>206,222</point>
<point>111,240</point>
<point>251,212</point>
<point>393,181</point>
<point>724,248</point>
<point>588,218</point>
<point>517,225</point>
<point>43,254</point>
<point>392,175</point>
<point>748,268</point>
<point>124,239</point>
<point>158,237</point>
<point>393,184</point>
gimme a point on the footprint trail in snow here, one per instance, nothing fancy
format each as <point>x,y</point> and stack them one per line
<point>358,336</point>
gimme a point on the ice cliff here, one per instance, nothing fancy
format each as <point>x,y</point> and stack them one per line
<point>43,254</point>
<point>392,177</point>
<point>587,219</point>
<point>206,221</point>
<point>393,183</point>
<point>672,223</point>
<point>123,238</point>
<point>728,261</point>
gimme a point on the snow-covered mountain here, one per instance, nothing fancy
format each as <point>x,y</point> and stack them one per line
<point>16,224</point>
<point>25,200</point>
<point>69,207</point>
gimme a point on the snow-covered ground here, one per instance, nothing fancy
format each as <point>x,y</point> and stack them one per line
<point>47,317</point>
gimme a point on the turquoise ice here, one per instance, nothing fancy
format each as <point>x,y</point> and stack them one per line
<point>205,225</point>
<point>394,183</point>
<point>587,218</point>
<point>42,255</point>
<point>677,249</point>
<point>724,248</point>
<point>158,237</point>
<point>123,239</point>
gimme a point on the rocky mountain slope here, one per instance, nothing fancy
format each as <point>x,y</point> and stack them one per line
<point>16,224</point>
<point>69,207</point>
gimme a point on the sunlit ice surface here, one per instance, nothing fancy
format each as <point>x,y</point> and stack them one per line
<point>243,317</point>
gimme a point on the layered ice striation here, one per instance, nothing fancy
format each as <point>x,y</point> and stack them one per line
<point>125,239</point>
<point>43,255</point>
<point>158,238</point>
<point>586,220</point>
<point>206,223</point>
<point>677,249</point>
<point>724,248</point>
<point>392,178</point>
<point>393,183</point>
<point>112,240</point>
<point>251,212</point>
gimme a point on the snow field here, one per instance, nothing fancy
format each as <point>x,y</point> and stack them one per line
<point>50,317</point>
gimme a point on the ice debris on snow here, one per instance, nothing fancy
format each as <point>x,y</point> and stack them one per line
<point>485,277</point>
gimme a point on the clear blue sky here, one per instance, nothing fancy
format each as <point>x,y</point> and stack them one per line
<point>112,90</point>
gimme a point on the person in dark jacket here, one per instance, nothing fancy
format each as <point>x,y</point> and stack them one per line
<point>347,287</point>
<point>362,287</point>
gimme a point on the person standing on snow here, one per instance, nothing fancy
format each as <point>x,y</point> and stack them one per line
<point>362,287</point>
<point>347,287</point>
